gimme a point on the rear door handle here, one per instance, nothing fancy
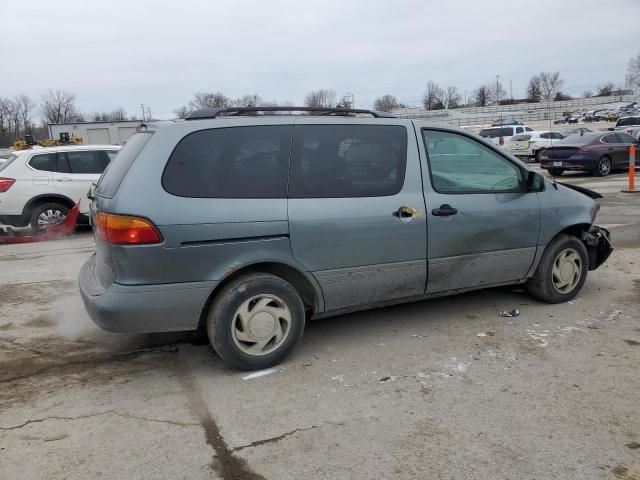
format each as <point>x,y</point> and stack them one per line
<point>63,179</point>
<point>444,211</point>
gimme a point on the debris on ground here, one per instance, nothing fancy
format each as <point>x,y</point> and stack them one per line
<point>260,373</point>
<point>485,334</point>
<point>633,445</point>
<point>511,314</point>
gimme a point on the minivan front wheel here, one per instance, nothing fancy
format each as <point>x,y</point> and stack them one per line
<point>561,272</point>
<point>255,321</point>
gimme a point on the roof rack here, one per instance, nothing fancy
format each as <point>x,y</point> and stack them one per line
<point>237,111</point>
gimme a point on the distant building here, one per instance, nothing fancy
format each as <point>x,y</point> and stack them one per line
<point>96,133</point>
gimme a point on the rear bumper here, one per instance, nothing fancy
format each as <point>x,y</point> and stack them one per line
<point>143,308</point>
<point>568,164</point>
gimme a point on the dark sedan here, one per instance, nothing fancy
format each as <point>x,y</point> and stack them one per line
<point>596,152</point>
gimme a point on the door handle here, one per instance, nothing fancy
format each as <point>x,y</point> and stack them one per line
<point>63,179</point>
<point>444,211</point>
<point>405,212</point>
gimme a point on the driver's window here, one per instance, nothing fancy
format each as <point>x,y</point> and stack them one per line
<point>460,164</point>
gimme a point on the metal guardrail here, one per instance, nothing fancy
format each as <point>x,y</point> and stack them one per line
<point>526,112</point>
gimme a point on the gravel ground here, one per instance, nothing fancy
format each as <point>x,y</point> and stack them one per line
<point>437,389</point>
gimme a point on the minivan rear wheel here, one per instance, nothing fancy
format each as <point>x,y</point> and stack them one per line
<point>46,215</point>
<point>255,321</point>
<point>561,272</point>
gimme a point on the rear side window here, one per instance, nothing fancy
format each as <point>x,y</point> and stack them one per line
<point>44,162</point>
<point>625,139</point>
<point>519,129</point>
<point>86,161</point>
<point>528,129</point>
<point>546,135</point>
<point>611,138</point>
<point>342,161</point>
<point>114,174</point>
<point>237,162</point>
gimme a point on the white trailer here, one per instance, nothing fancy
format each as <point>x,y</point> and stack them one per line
<point>96,133</point>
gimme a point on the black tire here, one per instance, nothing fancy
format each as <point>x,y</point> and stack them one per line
<point>538,154</point>
<point>601,170</point>
<point>50,209</point>
<point>556,172</point>
<point>224,309</point>
<point>541,285</point>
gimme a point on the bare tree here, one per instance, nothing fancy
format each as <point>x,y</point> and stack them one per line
<point>58,106</point>
<point>605,89</point>
<point>534,89</point>
<point>25,107</point>
<point>483,95</point>
<point>451,97</point>
<point>587,94</point>
<point>633,72</point>
<point>252,100</point>
<point>386,103</point>
<point>204,100</point>
<point>432,96</point>
<point>345,102</point>
<point>181,112</point>
<point>321,98</point>
<point>550,84</point>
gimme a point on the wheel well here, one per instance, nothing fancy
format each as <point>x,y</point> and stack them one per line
<point>294,277</point>
<point>576,230</point>
<point>39,200</point>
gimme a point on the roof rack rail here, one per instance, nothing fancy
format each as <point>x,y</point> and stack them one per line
<point>237,111</point>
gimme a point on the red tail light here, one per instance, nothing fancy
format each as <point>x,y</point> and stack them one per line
<point>5,183</point>
<point>126,230</point>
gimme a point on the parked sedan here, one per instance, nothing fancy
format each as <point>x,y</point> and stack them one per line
<point>532,144</point>
<point>574,131</point>
<point>596,152</point>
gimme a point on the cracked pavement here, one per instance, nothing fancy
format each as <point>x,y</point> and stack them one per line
<point>438,389</point>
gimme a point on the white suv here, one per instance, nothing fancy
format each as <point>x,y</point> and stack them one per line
<point>38,186</point>
<point>501,135</point>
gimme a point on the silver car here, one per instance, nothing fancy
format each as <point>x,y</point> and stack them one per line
<point>248,224</point>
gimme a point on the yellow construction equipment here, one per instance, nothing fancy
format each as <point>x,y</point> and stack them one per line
<point>64,139</point>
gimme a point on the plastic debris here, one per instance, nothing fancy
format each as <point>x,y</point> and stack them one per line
<point>260,373</point>
<point>512,313</point>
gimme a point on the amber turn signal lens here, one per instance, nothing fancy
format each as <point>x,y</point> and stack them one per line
<point>126,230</point>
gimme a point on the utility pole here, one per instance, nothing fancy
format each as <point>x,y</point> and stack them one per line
<point>511,89</point>
<point>465,97</point>
<point>143,112</point>
<point>497,90</point>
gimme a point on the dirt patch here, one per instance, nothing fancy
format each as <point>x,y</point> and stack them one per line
<point>36,293</point>
<point>633,343</point>
<point>41,321</point>
<point>6,326</point>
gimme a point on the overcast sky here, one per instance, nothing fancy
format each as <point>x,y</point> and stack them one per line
<point>127,52</point>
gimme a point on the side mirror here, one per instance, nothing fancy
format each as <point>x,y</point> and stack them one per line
<point>611,129</point>
<point>535,182</point>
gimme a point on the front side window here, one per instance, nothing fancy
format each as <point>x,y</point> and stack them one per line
<point>459,164</point>
<point>545,135</point>
<point>341,161</point>
<point>519,129</point>
<point>85,161</point>
<point>611,138</point>
<point>237,162</point>
<point>528,129</point>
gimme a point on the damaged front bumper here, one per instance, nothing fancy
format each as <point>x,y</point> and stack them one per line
<point>599,246</point>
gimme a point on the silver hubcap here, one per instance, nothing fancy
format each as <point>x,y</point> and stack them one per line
<point>50,217</point>
<point>261,324</point>
<point>566,272</point>
<point>604,166</point>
